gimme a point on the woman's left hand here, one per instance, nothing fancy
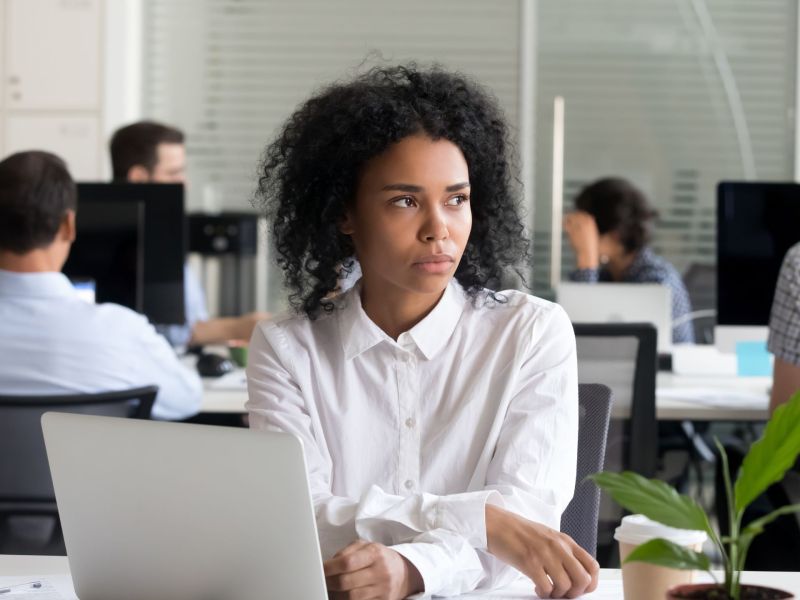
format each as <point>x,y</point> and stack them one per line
<point>366,570</point>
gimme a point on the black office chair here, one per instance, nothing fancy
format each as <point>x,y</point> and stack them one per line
<point>579,520</point>
<point>623,357</point>
<point>700,280</point>
<point>26,488</point>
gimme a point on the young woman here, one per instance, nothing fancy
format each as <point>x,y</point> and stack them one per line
<point>610,234</point>
<point>439,418</point>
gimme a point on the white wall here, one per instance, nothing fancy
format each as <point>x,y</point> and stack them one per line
<point>70,75</point>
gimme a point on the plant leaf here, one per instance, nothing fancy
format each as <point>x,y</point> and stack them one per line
<point>757,526</point>
<point>771,456</point>
<point>654,499</point>
<point>668,554</point>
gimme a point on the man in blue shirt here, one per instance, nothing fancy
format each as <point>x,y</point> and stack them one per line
<point>51,340</point>
<point>149,152</point>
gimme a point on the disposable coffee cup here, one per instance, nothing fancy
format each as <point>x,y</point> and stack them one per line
<point>643,581</point>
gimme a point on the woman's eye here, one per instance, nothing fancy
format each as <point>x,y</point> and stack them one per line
<point>404,202</point>
<point>457,200</point>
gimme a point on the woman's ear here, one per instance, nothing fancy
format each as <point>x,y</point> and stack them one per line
<point>346,224</point>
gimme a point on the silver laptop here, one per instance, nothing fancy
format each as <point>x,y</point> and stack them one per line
<point>186,512</point>
<point>620,303</point>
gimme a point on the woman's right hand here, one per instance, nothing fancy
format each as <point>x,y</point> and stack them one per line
<point>558,567</point>
<point>582,231</point>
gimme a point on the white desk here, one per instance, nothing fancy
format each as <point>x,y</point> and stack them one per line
<point>55,570</point>
<point>678,397</point>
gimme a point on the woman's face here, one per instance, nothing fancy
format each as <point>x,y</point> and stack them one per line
<point>411,217</point>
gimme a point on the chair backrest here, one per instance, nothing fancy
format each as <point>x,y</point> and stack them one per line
<point>580,518</point>
<point>700,280</point>
<point>25,481</point>
<point>623,357</point>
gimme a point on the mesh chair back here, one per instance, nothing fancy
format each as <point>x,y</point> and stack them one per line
<point>580,518</point>
<point>25,482</point>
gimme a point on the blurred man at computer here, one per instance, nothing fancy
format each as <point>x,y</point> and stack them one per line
<point>51,340</point>
<point>610,234</point>
<point>149,152</point>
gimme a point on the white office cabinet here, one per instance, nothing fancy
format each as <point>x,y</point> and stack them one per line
<point>75,138</point>
<point>53,54</point>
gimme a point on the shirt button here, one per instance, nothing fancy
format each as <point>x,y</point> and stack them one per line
<point>409,484</point>
<point>410,422</point>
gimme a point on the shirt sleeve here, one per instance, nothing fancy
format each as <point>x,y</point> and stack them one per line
<point>180,391</point>
<point>532,471</point>
<point>195,310</point>
<point>784,321</point>
<point>535,460</point>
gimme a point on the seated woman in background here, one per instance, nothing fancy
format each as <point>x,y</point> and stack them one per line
<point>438,417</point>
<point>610,232</point>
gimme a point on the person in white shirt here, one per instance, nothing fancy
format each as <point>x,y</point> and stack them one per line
<point>150,152</point>
<point>51,340</point>
<point>439,418</point>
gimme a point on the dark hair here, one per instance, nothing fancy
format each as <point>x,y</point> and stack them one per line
<point>310,172</point>
<point>618,206</point>
<point>137,144</point>
<point>36,190</point>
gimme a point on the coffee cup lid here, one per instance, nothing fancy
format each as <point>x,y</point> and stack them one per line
<point>638,529</point>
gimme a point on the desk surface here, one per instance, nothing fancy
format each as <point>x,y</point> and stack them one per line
<point>55,570</point>
<point>678,397</point>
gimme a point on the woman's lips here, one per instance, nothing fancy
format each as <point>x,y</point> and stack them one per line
<point>438,263</point>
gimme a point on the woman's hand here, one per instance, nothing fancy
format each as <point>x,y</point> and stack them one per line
<point>366,570</point>
<point>557,565</point>
<point>582,231</point>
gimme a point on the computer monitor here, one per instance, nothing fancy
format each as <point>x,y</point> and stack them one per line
<point>757,223</point>
<point>131,240</point>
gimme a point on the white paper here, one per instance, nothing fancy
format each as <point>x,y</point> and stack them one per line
<point>46,591</point>
<point>523,590</point>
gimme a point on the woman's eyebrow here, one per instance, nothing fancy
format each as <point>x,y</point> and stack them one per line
<point>402,187</point>
<point>407,187</point>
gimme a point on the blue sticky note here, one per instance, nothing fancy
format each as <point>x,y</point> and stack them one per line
<point>753,359</point>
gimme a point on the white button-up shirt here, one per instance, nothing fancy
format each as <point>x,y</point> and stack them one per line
<point>53,342</point>
<point>405,441</point>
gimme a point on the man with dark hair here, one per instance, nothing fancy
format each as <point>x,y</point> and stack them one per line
<point>51,340</point>
<point>150,152</point>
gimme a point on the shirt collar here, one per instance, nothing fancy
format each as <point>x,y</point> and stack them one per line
<point>34,285</point>
<point>359,333</point>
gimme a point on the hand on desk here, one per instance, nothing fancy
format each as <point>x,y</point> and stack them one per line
<point>366,570</point>
<point>557,565</point>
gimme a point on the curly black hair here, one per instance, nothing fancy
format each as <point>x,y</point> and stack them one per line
<point>619,206</point>
<point>309,174</point>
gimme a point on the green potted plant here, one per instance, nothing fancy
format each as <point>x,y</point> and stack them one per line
<point>766,463</point>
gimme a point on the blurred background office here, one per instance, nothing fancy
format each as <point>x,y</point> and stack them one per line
<point>671,95</point>
<point>674,95</point>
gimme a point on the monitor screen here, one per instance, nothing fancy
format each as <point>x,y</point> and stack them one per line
<point>757,223</point>
<point>131,240</point>
<point>109,251</point>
